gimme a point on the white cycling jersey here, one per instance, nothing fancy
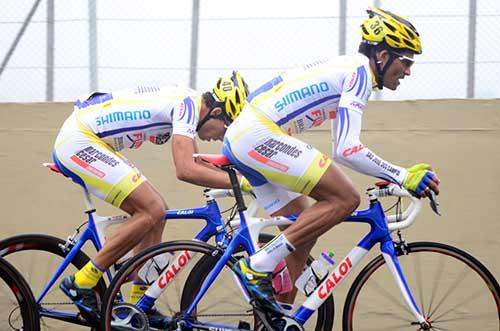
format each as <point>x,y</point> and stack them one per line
<point>127,118</point>
<point>87,147</point>
<point>336,89</point>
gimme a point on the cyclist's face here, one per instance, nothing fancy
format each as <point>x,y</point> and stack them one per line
<point>213,129</point>
<point>400,67</point>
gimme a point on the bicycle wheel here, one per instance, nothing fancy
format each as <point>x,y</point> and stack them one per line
<point>323,319</point>
<point>236,314</point>
<point>36,257</point>
<point>453,290</point>
<point>17,304</point>
<point>169,303</point>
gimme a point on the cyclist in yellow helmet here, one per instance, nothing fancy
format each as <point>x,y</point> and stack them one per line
<point>228,95</point>
<point>385,38</point>
<point>283,170</point>
<point>88,150</point>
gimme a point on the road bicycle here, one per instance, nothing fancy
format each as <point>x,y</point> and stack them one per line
<point>17,304</point>
<point>441,288</point>
<point>45,260</point>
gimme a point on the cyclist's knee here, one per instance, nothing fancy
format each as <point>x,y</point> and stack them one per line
<point>153,217</point>
<point>351,200</point>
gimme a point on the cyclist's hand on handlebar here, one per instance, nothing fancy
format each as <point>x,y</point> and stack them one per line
<point>421,180</point>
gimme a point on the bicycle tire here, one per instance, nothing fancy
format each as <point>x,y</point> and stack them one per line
<point>116,292</point>
<point>466,272</point>
<point>15,250</point>
<point>25,301</point>
<point>325,313</point>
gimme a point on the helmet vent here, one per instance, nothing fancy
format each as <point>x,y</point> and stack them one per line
<point>390,26</point>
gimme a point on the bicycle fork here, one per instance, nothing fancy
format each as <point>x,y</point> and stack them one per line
<point>340,272</point>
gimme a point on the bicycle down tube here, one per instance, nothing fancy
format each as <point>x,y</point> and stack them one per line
<point>379,233</point>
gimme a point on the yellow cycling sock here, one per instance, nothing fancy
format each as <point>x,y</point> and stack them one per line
<point>137,291</point>
<point>88,276</point>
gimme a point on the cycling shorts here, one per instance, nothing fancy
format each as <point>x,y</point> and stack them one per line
<point>278,166</point>
<point>90,162</point>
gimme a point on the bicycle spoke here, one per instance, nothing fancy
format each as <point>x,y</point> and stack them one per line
<point>459,279</point>
<point>388,295</point>
<point>437,278</point>
<point>420,285</point>
<point>463,294</point>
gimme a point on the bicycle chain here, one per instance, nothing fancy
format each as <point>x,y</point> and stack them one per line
<point>222,315</point>
<point>56,303</point>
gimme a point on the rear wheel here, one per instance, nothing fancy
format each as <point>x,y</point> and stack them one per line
<point>453,290</point>
<point>36,257</point>
<point>18,310</point>
<point>233,300</point>
<point>187,270</point>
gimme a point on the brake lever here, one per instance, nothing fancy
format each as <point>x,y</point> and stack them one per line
<point>434,203</point>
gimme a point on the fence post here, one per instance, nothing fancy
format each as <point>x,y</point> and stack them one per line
<point>342,26</point>
<point>93,79</point>
<point>49,89</point>
<point>471,55</point>
<point>195,20</point>
<point>18,37</point>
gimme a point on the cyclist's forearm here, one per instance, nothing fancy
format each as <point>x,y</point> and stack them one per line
<point>367,162</point>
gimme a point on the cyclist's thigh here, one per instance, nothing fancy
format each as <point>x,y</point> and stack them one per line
<point>144,198</point>
<point>266,155</point>
<point>334,185</point>
<point>93,164</point>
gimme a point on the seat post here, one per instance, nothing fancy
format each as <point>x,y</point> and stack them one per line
<point>235,186</point>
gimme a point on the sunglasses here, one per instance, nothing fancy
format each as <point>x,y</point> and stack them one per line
<point>407,61</point>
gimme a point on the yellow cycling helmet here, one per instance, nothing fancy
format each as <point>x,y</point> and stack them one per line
<point>231,92</point>
<point>395,30</point>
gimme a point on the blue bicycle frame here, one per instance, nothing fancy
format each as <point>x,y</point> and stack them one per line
<point>210,213</point>
<point>379,233</point>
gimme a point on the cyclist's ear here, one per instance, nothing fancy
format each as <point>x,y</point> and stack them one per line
<point>383,56</point>
<point>216,111</point>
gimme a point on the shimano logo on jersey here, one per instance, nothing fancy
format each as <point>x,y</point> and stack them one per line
<point>118,116</point>
<point>303,93</point>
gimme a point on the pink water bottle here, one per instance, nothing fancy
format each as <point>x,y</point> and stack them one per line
<point>282,282</point>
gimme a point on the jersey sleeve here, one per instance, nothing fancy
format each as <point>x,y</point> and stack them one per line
<point>185,118</point>
<point>347,148</point>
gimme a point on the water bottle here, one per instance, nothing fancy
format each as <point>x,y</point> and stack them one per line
<point>152,269</point>
<point>312,276</point>
<point>281,279</point>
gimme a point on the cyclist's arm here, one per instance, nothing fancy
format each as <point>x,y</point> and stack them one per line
<point>350,152</point>
<point>188,170</point>
<point>184,121</point>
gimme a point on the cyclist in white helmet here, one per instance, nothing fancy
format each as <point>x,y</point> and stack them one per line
<point>87,149</point>
<point>283,170</point>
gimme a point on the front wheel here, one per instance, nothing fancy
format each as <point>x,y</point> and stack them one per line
<point>453,290</point>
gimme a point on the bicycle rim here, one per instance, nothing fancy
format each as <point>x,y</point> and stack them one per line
<point>17,305</point>
<point>454,291</point>
<point>169,302</point>
<point>232,298</point>
<point>36,257</point>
